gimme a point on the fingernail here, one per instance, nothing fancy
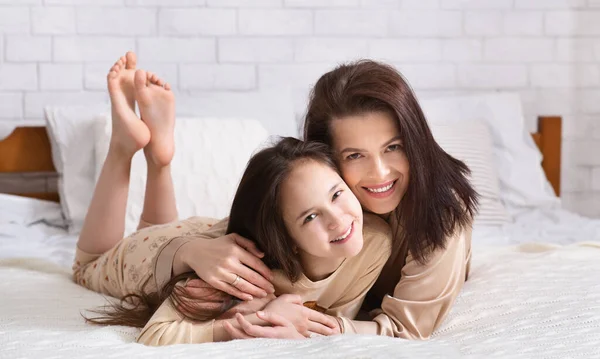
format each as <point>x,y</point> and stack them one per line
<point>272,289</point>
<point>248,297</point>
<point>263,294</point>
<point>260,313</point>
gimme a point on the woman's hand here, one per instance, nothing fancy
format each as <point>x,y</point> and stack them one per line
<point>248,307</point>
<point>279,327</point>
<point>220,261</point>
<point>305,320</point>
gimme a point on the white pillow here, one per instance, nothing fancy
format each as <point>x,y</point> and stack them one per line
<point>471,143</point>
<point>210,157</point>
<point>517,159</point>
<point>71,134</point>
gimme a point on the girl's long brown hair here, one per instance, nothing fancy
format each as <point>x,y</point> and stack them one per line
<point>255,214</point>
<point>439,197</point>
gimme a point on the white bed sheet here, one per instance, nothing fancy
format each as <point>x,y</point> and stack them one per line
<point>544,304</point>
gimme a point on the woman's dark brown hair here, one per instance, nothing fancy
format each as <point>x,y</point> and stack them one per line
<point>439,197</point>
<point>255,214</point>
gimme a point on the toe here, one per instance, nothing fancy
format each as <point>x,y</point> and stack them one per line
<point>130,60</point>
<point>140,79</point>
<point>111,74</point>
<point>167,86</point>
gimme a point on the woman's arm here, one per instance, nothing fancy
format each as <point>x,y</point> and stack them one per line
<point>424,295</point>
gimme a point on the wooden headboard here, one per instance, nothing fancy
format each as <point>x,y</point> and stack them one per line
<point>26,166</point>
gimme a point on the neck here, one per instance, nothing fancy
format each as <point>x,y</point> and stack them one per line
<point>318,268</point>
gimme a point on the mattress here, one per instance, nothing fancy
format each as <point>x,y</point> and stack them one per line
<point>522,300</point>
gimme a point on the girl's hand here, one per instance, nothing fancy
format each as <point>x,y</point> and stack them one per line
<point>249,307</point>
<point>220,261</point>
<point>305,320</point>
<point>280,328</point>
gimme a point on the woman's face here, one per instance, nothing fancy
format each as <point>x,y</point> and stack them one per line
<point>371,159</point>
<point>320,212</point>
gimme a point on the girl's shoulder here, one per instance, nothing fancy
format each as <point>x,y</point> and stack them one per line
<point>376,231</point>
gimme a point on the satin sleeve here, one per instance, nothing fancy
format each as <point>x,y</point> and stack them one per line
<point>423,297</point>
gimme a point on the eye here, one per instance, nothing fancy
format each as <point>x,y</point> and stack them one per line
<point>395,147</point>
<point>310,217</point>
<point>336,195</point>
<point>354,156</point>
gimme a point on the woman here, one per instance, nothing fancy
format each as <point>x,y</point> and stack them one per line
<point>367,113</point>
<point>291,201</point>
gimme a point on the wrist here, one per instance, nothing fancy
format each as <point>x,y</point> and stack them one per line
<point>180,260</point>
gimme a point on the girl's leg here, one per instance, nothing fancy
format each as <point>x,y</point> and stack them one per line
<point>105,220</point>
<point>156,103</point>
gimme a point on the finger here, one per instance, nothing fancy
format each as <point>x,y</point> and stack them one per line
<point>274,319</point>
<point>254,330</point>
<point>247,245</point>
<point>321,318</point>
<point>231,290</point>
<point>256,264</point>
<point>234,332</point>
<point>319,328</point>
<point>256,284</point>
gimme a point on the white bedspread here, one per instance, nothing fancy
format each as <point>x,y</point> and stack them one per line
<point>515,304</point>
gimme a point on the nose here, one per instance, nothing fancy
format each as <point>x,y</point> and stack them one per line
<point>335,219</point>
<point>380,169</point>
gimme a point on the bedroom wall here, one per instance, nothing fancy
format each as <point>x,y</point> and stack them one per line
<point>58,52</point>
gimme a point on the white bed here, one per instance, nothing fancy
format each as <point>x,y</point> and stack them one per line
<point>532,301</point>
<point>522,300</point>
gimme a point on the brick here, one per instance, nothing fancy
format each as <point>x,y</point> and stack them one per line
<point>191,3</point>
<point>351,22</point>
<point>588,101</point>
<point>11,105</point>
<point>177,50</point>
<point>437,76</point>
<point>91,48</point>
<point>197,21</point>
<point>21,2</point>
<point>321,3</point>
<point>18,77</point>
<point>575,127</point>
<point>576,179</point>
<point>35,102</point>
<point>573,23</point>
<point>425,23</point>
<point>14,20</point>
<point>329,49</point>
<point>292,75</point>
<point>492,76</point>
<point>382,4</point>
<point>596,179</point>
<point>252,50</point>
<point>483,23</point>
<point>518,50</point>
<point>463,50</point>
<point>245,3</point>
<point>578,50</point>
<point>550,101</point>
<point>217,77</point>
<point>61,77</point>
<point>275,22</point>
<point>556,75</point>
<point>549,4</point>
<point>115,21</point>
<point>83,2</point>
<point>523,23</point>
<point>25,48</point>
<point>586,152</point>
<point>420,4</point>
<point>422,50</point>
<point>476,4</point>
<point>53,20</point>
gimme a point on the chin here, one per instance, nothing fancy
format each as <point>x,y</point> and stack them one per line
<point>382,208</point>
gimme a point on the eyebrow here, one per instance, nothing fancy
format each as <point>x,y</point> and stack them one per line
<point>304,213</point>
<point>352,149</point>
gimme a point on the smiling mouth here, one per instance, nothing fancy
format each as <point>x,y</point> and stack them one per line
<point>346,236</point>
<point>382,191</point>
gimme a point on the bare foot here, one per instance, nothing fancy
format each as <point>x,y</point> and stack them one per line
<point>157,109</point>
<point>129,133</point>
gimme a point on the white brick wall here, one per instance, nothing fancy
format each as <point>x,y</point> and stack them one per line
<point>58,52</point>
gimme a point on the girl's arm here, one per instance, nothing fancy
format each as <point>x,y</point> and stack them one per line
<point>424,295</point>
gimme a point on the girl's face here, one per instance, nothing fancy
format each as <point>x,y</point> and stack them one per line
<point>371,159</point>
<point>320,212</point>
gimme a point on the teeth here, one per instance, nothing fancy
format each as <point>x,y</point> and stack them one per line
<point>344,236</point>
<point>382,189</point>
